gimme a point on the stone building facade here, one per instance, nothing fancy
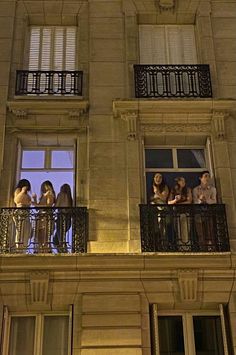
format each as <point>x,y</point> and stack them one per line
<point>115,295</point>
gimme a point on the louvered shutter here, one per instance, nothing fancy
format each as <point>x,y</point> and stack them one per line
<point>152,44</point>
<point>52,48</point>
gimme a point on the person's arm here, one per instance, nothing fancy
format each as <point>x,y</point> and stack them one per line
<point>19,194</point>
<point>196,196</point>
<point>212,198</point>
<point>50,199</point>
<point>189,197</point>
<point>172,200</point>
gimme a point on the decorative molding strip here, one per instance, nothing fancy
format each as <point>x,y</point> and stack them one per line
<point>176,128</point>
<point>39,282</point>
<point>76,114</point>
<point>188,285</point>
<point>22,114</point>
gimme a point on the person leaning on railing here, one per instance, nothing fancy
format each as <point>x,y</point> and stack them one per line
<point>21,218</point>
<point>205,194</point>
<point>181,194</point>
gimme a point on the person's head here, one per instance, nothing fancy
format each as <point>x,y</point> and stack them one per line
<point>24,183</point>
<point>65,189</point>
<point>157,180</point>
<point>180,180</point>
<point>204,177</point>
<point>47,186</point>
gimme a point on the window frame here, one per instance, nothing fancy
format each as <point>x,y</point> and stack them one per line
<point>188,327</point>
<point>207,153</point>
<point>39,327</point>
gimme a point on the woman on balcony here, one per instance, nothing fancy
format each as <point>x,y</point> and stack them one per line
<point>160,196</point>
<point>181,194</point>
<point>22,200</point>
<point>63,222</point>
<point>45,219</point>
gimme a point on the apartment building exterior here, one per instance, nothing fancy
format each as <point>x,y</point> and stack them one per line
<point>103,94</point>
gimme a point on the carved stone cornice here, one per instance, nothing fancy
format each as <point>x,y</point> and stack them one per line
<point>176,128</point>
<point>188,285</point>
<point>39,282</point>
<point>21,114</point>
<point>218,123</point>
<point>73,108</point>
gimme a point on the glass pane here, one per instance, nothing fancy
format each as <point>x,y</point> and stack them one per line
<point>191,158</point>
<point>22,328</point>
<point>171,338</point>
<point>208,336</point>
<point>33,159</point>
<point>55,336</point>
<point>158,158</point>
<point>57,178</point>
<point>62,159</point>
<point>191,178</point>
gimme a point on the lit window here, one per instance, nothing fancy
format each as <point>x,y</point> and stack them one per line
<point>55,165</point>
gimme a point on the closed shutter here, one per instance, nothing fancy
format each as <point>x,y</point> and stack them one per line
<point>170,44</point>
<point>52,48</point>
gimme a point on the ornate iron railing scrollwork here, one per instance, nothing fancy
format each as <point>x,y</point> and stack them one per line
<point>43,230</point>
<point>172,81</point>
<point>53,82</point>
<point>184,228</point>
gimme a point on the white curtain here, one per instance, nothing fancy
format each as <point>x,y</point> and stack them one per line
<point>22,336</point>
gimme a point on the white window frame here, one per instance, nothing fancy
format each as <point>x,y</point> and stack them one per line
<point>38,332</point>
<point>188,329</point>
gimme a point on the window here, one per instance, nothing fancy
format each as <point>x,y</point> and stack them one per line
<point>170,44</point>
<point>37,334</point>
<point>174,162</point>
<point>54,164</point>
<point>52,48</point>
<point>188,333</point>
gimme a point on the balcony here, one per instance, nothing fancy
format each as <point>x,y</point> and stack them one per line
<point>184,228</point>
<point>39,82</point>
<point>172,81</point>
<point>43,230</point>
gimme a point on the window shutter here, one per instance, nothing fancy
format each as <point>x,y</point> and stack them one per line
<point>167,44</point>
<point>34,48</point>
<point>46,48</point>
<point>58,48</point>
<point>70,48</point>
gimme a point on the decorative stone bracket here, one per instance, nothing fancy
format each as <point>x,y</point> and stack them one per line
<point>39,282</point>
<point>166,4</point>
<point>131,119</point>
<point>188,285</point>
<point>218,122</point>
<point>21,114</point>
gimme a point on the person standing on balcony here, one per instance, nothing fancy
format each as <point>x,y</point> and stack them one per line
<point>63,223</point>
<point>22,200</point>
<point>159,197</point>
<point>181,194</point>
<point>45,221</point>
<point>205,194</point>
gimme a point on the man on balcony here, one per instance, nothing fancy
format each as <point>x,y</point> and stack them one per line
<point>205,194</point>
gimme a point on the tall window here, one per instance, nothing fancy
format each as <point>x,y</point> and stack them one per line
<point>170,44</point>
<point>56,165</point>
<point>38,334</point>
<point>185,333</point>
<point>174,162</point>
<point>52,48</point>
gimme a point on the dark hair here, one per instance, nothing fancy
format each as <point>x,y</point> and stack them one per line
<point>65,189</point>
<point>203,172</point>
<point>162,185</point>
<point>184,191</point>
<point>23,183</point>
<point>45,186</point>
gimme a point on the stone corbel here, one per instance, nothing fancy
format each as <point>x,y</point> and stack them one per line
<point>218,120</point>
<point>188,285</point>
<point>21,114</point>
<point>39,282</point>
<point>166,4</point>
<point>131,119</point>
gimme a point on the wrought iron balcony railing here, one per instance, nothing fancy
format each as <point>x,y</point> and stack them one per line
<point>184,228</point>
<point>43,230</point>
<point>40,82</point>
<point>165,81</point>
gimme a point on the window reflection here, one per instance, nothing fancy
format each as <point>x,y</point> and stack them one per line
<point>171,335</point>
